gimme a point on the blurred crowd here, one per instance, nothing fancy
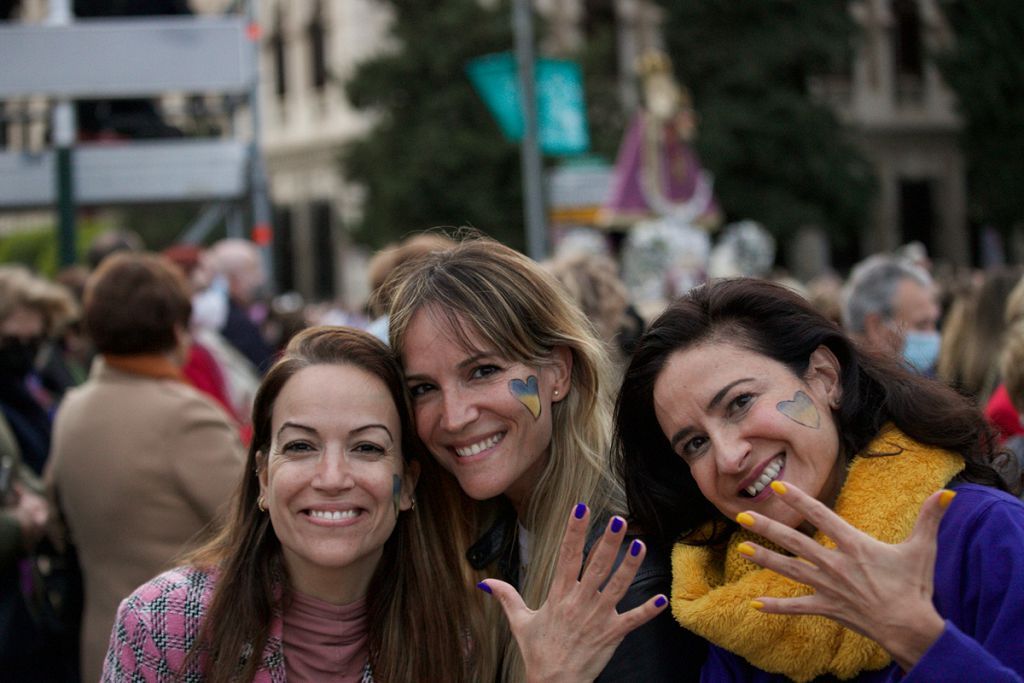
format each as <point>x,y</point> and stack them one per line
<point>126,389</point>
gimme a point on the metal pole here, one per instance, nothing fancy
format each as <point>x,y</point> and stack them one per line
<point>64,133</point>
<point>262,230</point>
<point>533,186</point>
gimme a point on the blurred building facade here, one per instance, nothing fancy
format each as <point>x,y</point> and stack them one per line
<point>891,100</point>
<point>309,48</point>
<point>897,109</point>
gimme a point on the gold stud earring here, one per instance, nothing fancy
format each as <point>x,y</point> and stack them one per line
<point>260,504</point>
<point>556,393</point>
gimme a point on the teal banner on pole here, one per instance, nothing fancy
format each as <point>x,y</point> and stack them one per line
<point>561,112</point>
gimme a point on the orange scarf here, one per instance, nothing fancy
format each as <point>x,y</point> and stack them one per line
<point>154,365</point>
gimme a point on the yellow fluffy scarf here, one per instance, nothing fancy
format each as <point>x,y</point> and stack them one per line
<point>712,589</point>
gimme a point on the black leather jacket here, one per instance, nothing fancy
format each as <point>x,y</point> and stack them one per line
<point>660,650</point>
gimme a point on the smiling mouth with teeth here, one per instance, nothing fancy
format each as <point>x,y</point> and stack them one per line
<point>333,515</point>
<point>480,446</point>
<point>767,476</point>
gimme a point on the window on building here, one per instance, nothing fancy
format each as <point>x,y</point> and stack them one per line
<point>318,47</point>
<point>278,54</point>
<point>598,17</point>
<point>917,211</point>
<point>284,249</point>
<point>909,53</point>
<point>908,50</point>
<point>323,251</point>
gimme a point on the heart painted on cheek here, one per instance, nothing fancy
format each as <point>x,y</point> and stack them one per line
<point>527,393</point>
<point>801,410</point>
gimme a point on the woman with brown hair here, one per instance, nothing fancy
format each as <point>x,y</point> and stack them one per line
<point>334,563</point>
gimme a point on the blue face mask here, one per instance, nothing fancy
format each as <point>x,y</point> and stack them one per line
<point>921,350</point>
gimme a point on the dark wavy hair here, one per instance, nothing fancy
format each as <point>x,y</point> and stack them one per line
<point>418,581</point>
<point>774,321</point>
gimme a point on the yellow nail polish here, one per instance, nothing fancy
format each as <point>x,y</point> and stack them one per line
<point>745,518</point>
<point>745,549</point>
<point>756,604</point>
<point>779,488</point>
<point>946,497</point>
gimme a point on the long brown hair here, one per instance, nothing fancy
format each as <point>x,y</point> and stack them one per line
<point>774,321</point>
<point>418,604</point>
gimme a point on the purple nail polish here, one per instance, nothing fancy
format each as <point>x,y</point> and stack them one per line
<point>635,547</point>
<point>660,601</point>
<point>580,510</point>
<point>617,523</point>
<point>484,587</point>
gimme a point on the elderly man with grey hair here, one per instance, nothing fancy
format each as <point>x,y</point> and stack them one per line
<point>888,304</point>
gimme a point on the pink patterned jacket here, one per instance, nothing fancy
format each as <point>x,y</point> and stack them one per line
<point>158,623</point>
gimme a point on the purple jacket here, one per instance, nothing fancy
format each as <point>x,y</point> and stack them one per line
<point>979,591</point>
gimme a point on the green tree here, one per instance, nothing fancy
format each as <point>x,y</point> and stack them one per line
<point>985,68</point>
<point>778,156</point>
<point>435,156</point>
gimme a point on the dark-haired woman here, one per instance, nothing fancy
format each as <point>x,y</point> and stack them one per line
<point>334,563</point>
<point>833,514</point>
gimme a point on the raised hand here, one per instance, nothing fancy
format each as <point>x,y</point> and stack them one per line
<point>880,590</point>
<point>574,633</point>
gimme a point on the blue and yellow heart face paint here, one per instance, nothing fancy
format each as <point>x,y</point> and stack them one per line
<point>801,410</point>
<point>527,393</point>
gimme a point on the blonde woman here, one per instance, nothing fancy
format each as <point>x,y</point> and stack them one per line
<point>510,396</point>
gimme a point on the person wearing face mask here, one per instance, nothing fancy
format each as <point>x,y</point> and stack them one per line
<point>888,305</point>
<point>31,310</point>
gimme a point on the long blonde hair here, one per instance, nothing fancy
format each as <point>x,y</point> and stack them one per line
<point>19,287</point>
<point>489,291</point>
<point>973,333</point>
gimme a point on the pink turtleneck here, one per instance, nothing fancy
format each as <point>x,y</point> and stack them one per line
<point>324,642</point>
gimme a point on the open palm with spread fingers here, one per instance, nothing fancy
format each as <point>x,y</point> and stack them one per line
<point>574,633</point>
<point>881,590</point>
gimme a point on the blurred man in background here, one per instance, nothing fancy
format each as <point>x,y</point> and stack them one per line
<point>889,305</point>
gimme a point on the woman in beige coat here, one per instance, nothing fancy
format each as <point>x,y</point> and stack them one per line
<point>141,461</point>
